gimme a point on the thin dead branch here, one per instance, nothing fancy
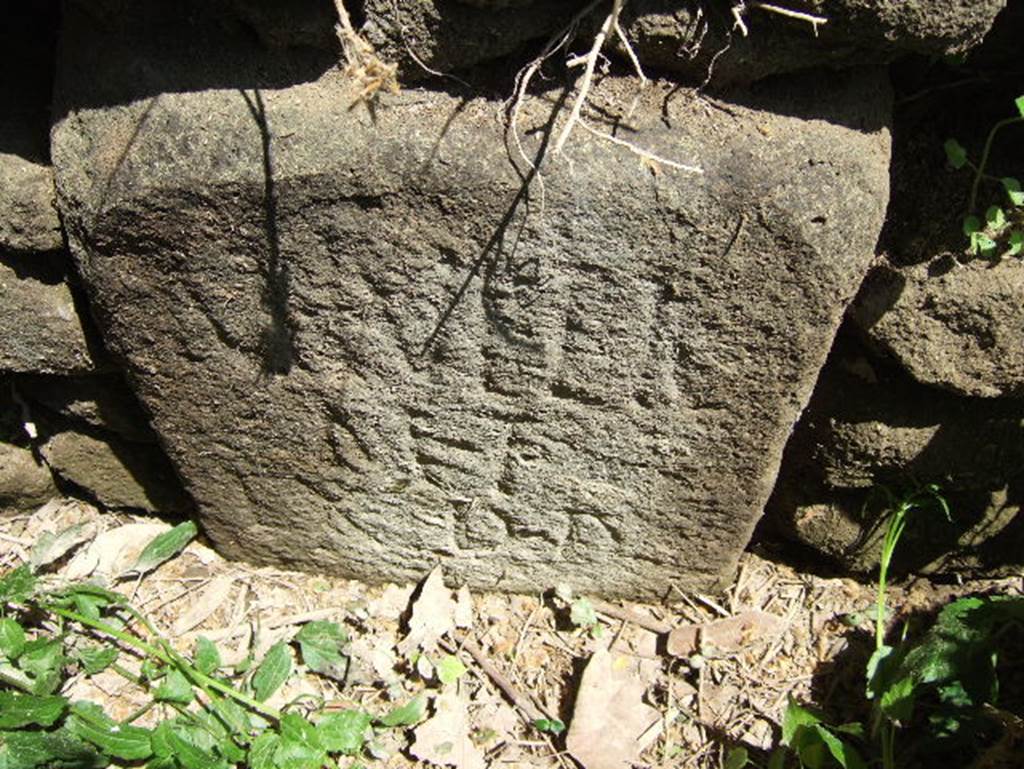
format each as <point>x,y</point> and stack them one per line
<point>739,11</point>
<point>361,61</point>
<point>646,155</point>
<point>610,23</point>
<point>517,698</point>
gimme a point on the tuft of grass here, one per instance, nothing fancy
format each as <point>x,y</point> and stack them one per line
<point>944,684</point>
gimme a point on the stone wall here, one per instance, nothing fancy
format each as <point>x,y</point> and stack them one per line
<point>364,331</point>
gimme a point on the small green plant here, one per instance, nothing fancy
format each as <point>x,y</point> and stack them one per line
<point>1000,232</point>
<point>209,718</point>
<point>945,681</point>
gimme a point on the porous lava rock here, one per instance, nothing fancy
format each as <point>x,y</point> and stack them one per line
<point>40,328</point>
<point>954,326</point>
<point>871,434</point>
<point>370,342</point>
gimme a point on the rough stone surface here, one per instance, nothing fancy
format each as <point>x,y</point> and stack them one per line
<point>24,483</point>
<point>103,402</point>
<point>701,40</point>
<point>40,330</point>
<point>117,474</point>
<point>957,327</point>
<point>367,349</point>
<point>28,217</point>
<point>451,36</point>
<point>870,426</point>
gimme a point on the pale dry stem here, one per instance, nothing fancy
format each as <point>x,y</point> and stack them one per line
<point>654,161</point>
<point>361,61</point>
<point>739,12</point>
<point>610,23</point>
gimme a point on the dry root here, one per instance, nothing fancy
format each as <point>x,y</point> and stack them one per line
<point>611,26</point>
<point>739,11</point>
<point>362,62</point>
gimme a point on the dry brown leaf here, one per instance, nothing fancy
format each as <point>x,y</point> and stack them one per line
<point>498,717</point>
<point>433,615</point>
<point>205,604</point>
<point>463,608</point>
<point>114,551</point>
<point>443,739</point>
<point>725,636</point>
<point>392,603</point>
<point>611,724</point>
<point>52,545</point>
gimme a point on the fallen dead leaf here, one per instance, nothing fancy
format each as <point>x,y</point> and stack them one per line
<point>205,604</point>
<point>463,615</point>
<point>433,615</point>
<point>51,546</point>
<point>443,739</point>
<point>611,724</point>
<point>114,551</point>
<point>392,603</point>
<point>725,636</point>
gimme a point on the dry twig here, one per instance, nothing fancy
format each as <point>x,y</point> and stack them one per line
<point>739,11</point>
<point>361,60</point>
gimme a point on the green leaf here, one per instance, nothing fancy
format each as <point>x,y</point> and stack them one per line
<point>844,753</point>
<point>321,644</point>
<point>12,638</point>
<point>273,671</point>
<point>737,758</point>
<point>582,614</point>
<point>408,714</point>
<point>43,659</point>
<point>150,671</point>
<point>262,750</point>
<point>995,217</point>
<point>164,547</point>
<point>18,710</point>
<point>295,755</point>
<point>95,659</point>
<point>344,731</point>
<point>48,750</point>
<point>450,669</point>
<point>777,759</point>
<point>89,606</point>
<point>87,599</point>
<point>879,671</point>
<point>854,729</point>
<point>300,746</point>
<point>897,701</point>
<point>190,755</point>
<point>90,723</point>
<point>206,657</point>
<point>160,739</point>
<point>16,586</point>
<point>1013,190</point>
<point>295,727</point>
<point>983,245</point>
<point>550,725</point>
<point>175,687</point>
<point>796,716</point>
<point>972,225</point>
<point>955,153</point>
<point>233,716</point>
<point>1015,243</point>
<point>958,649</point>
<point>1019,101</point>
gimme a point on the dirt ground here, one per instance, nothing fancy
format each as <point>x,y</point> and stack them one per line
<point>704,684</point>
